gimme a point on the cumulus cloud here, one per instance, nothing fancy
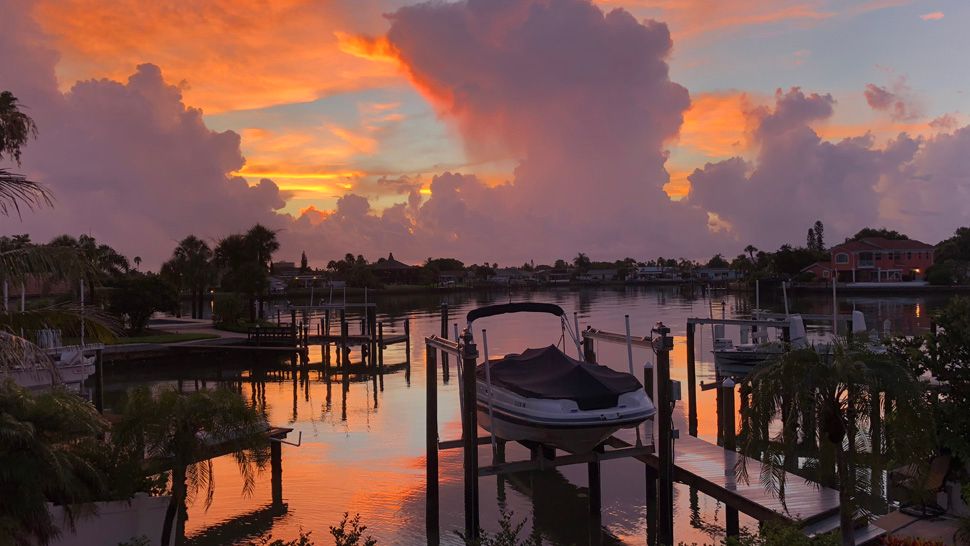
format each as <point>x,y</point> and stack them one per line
<point>916,185</point>
<point>127,162</point>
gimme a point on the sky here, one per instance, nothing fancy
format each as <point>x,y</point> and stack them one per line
<point>492,130</point>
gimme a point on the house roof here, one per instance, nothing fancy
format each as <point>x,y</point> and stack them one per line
<point>822,265</point>
<point>880,243</point>
<point>390,263</point>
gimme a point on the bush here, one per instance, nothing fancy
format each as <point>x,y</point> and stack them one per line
<point>138,296</point>
<point>229,309</point>
<point>940,275</point>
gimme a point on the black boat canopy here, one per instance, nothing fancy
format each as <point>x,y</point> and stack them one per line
<point>521,307</point>
<point>551,374</point>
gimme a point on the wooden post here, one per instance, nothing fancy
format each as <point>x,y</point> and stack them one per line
<point>99,380</point>
<point>380,346</point>
<point>665,445</point>
<point>719,409</point>
<point>652,515</point>
<point>293,326</point>
<point>691,381</point>
<point>650,473</point>
<point>278,318</point>
<point>276,463</point>
<point>431,446</point>
<point>407,352</point>
<point>344,352</point>
<point>730,443</point>
<point>589,355</point>
<point>444,334</point>
<point>470,434</point>
<point>595,501</point>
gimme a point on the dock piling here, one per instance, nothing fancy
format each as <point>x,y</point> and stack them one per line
<point>470,433</point>
<point>665,444</point>
<point>691,381</point>
<point>431,446</point>
<point>730,443</point>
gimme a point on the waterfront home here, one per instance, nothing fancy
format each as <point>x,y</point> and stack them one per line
<point>455,277</point>
<point>391,271</point>
<point>510,276</point>
<point>822,271</point>
<point>598,276</point>
<point>875,259</point>
<point>717,274</point>
<point>648,273</point>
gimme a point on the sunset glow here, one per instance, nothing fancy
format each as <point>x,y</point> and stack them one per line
<point>327,100</point>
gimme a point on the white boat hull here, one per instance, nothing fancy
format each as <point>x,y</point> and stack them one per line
<point>558,423</point>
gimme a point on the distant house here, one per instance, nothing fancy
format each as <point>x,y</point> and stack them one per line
<point>648,273</point>
<point>509,276</point>
<point>285,271</point>
<point>598,275</point>
<point>875,259</point>
<point>553,276</point>
<point>717,274</point>
<point>391,271</point>
<point>452,278</point>
<point>821,270</point>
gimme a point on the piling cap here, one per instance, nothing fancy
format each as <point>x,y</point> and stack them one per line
<point>728,383</point>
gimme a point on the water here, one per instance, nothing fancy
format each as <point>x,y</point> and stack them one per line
<point>363,449</point>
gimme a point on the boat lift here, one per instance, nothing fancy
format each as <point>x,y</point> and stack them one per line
<point>542,457</point>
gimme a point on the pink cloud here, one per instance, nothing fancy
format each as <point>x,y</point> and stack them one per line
<point>899,102</point>
<point>932,16</point>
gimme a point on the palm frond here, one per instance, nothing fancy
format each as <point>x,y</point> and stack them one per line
<point>98,325</point>
<point>16,190</point>
<point>44,262</point>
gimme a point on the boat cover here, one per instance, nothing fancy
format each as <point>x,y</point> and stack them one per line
<point>549,373</point>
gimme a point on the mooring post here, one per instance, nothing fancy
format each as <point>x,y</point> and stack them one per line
<point>380,346</point>
<point>444,334</point>
<point>278,318</point>
<point>719,409</point>
<point>344,352</point>
<point>589,355</point>
<point>665,447</point>
<point>595,500</point>
<point>470,434</point>
<point>651,493</point>
<point>99,380</point>
<point>691,381</point>
<point>730,444</point>
<point>276,464</point>
<point>431,445</point>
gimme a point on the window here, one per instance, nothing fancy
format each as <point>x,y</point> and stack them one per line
<point>909,255</point>
<point>825,273</point>
<point>842,258</point>
<point>878,256</point>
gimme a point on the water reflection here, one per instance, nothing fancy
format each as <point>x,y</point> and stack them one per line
<point>363,436</point>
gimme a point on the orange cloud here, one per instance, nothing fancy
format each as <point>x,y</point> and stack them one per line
<point>230,54</point>
<point>678,187</point>
<point>716,124</point>
<point>932,16</point>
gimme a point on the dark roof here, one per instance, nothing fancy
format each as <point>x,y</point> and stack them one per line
<point>390,263</point>
<point>551,374</point>
<point>880,243</point>
<point>823,265</point>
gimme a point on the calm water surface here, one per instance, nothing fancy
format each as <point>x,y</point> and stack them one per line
<point>363,448</point>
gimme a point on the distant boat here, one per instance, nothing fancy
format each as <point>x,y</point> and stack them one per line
<point>546,397</point>
<point>740,359</point>
<point>42,367</point>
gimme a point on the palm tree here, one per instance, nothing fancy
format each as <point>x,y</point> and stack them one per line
<point>177,431</point>
<point>137,260</point>
<point>834,396</point>
<point>16,190</point>
<point>47,448</point>
<point>751,249</point>
<point>191,267</point>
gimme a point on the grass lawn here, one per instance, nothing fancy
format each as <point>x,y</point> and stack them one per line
<point>241,328</point>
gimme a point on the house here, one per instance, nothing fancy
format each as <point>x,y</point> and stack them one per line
<point>648,273</point>
<point>821,270</point>
<point>875,259</point>
<point>717,274</point>
<point>510,276</point>
<point>391,271</point>
<point>598,275</point>
<point>452,277</point>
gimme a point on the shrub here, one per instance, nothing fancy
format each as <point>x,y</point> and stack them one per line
<point>229,309</point>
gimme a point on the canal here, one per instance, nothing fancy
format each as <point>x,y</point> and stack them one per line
<point>363,446</point>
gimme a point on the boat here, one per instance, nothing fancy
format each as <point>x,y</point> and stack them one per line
<point>543,396</point>
<point>47,364</point>
<point>739,360</point>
